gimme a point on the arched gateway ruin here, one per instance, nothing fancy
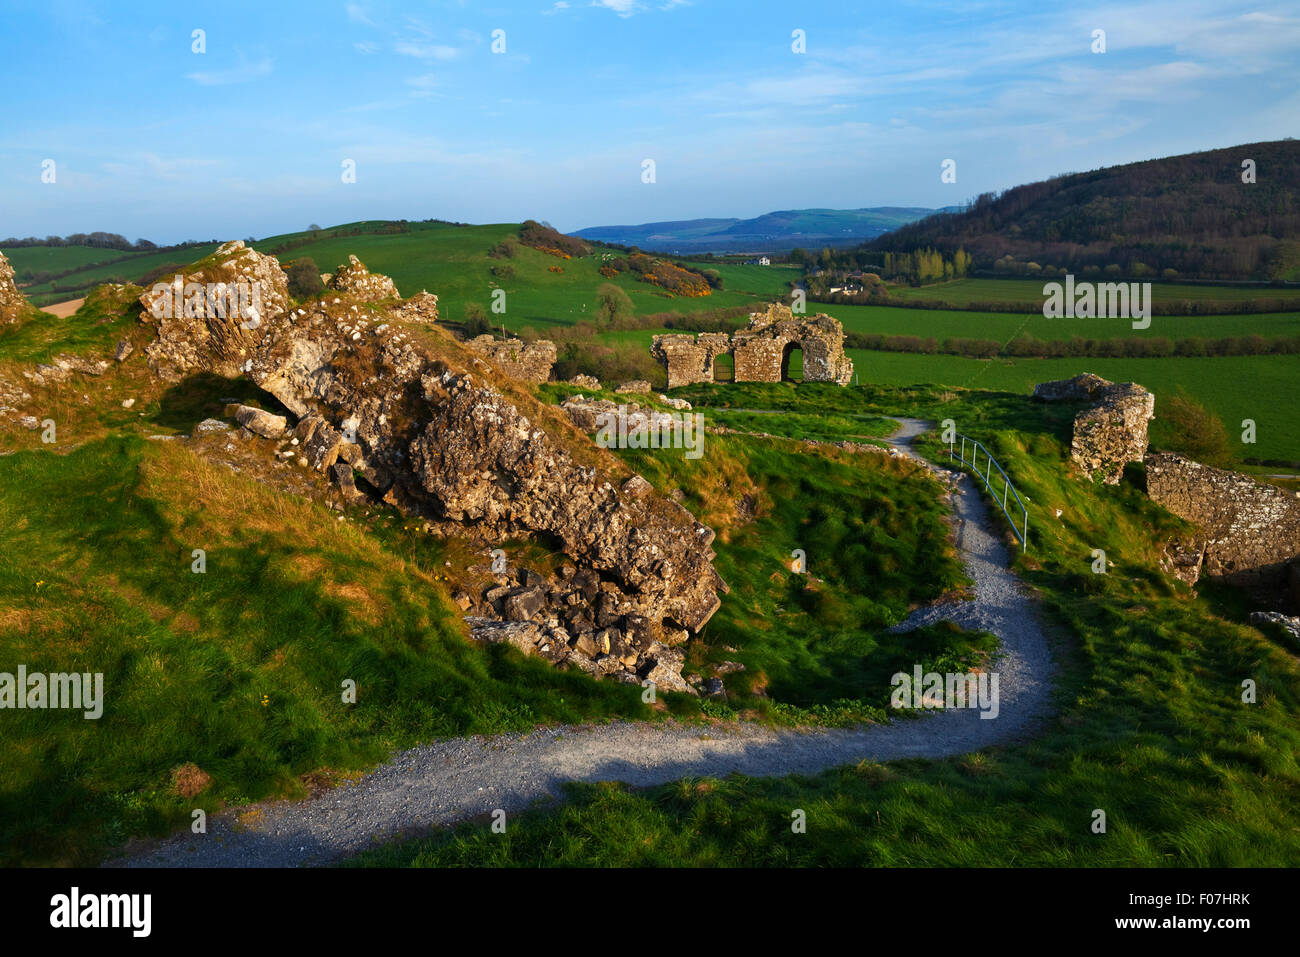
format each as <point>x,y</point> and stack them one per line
<point>761,350</point>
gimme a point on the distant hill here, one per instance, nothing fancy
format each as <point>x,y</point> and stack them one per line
<point>1189,213</point>
<point>772,232</point>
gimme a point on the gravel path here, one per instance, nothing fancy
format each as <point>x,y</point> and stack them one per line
<point>447,782</point>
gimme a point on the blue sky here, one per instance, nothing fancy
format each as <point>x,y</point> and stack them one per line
<point>151,139</point>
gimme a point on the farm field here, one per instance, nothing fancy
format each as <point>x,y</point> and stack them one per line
<point>1262,388</point>
<point>77,284</point>
<point>1002,326</point>
<point>30,259</point>
<point>962,291</point>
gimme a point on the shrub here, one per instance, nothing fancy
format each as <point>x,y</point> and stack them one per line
<point>476,320</point>
<point>304,278</point>
<point>1184,425</point>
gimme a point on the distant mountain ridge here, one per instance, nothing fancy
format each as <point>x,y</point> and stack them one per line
<point>776,231</point>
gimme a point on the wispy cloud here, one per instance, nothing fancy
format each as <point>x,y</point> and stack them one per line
<point>426,51</point>
<point>357,14</point>
<point>238,74</point>
<point>422,85</point>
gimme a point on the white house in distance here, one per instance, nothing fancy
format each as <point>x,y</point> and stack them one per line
<point>761,261</point>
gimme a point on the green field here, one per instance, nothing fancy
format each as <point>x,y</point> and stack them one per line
<point>941,324</point>
<point>1263,388</point>
<point>79,283</point>
<point>29,259</point>
<point>963,291</point>
<point>453,263</point>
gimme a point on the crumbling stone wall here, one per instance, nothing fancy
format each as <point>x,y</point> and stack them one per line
<point>1249,531</point>
<point>532,362</point>
<point>690,358</point>
<point>1110,434</point>
<point>760,349</point>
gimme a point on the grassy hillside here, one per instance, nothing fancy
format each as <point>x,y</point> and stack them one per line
<point>132,269</point>
<point>33,259</point>
<point>232,678</point>
<point>1150,724</point>
<point>453,262</point>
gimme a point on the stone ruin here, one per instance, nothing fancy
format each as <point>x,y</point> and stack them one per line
<point>1110,434</point>
<point>13,304</point>
<point>761,351</point>
<point>532,362</point>
<point>430,427</point>
<point>1248,532</point>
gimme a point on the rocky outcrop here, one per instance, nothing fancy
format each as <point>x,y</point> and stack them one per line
<point>1248,532</point>
<point>761,350</point>
<point>422,307</point>
<point>355,279</point>
<point>213,317</point>
<point>1110,434</point>
<point>584,381</point>
<point>426,427</point>
<point>13,304</point>
<point>531,362</point>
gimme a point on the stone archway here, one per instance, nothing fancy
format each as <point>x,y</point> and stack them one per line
<point>787,352</point>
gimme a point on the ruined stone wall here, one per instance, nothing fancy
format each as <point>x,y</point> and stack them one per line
<point>531,363</point>
<point>760,349</point>
<point>1110,434</point>
<point>690,358</point>
<point>1249,532</point>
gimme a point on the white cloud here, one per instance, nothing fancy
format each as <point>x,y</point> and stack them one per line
<point>624,8</point>
<point>426,51</point>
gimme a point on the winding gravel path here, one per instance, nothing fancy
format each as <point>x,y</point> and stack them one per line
<point>447,782</point>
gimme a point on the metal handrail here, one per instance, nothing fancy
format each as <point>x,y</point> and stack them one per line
<point>1008,489</point>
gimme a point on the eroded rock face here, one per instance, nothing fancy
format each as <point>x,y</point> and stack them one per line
<point>428,430</point>
<point>1249,531</point>
<point>531,362</point>
<point>761,350</point>
<point>201,325</point>
<point>13,304</point>
<point>1110,434</point>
